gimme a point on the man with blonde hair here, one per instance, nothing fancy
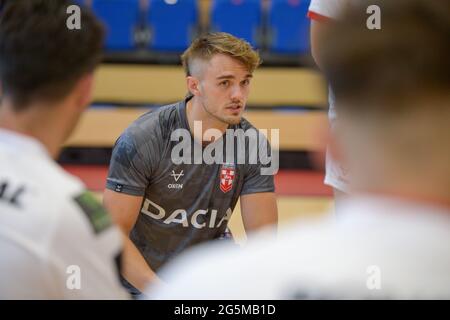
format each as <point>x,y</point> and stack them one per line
<point>166,197</point>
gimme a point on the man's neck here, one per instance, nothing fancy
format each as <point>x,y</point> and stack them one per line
<point>33,123</point>
<point>196,112</point>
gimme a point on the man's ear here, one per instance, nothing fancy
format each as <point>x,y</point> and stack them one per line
<point>193,85</point>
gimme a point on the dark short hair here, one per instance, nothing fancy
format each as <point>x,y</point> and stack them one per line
<point>383,70</point>
<point>40,58</point>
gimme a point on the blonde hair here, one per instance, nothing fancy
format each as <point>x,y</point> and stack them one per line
<point>205,47</point>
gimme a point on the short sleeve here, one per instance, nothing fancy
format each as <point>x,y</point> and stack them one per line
<point>130,168</point>
<point>85,251</point>
<point>259,177</point>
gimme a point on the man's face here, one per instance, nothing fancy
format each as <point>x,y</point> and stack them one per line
<point>224,87</point>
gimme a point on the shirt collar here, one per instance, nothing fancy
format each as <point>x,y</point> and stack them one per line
<point>22,143</point>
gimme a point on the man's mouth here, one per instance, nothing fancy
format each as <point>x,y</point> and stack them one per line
<point>235,107</point>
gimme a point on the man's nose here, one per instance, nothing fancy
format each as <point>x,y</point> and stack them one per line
<point>237,93</point>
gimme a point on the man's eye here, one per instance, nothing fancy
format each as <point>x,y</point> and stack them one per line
<point>246,82</point>
<point>224,83</point>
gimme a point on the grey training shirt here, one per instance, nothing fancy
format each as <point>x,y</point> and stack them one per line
<point>183,204</point>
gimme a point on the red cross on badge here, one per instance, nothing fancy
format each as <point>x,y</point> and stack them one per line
<point>226,178</point>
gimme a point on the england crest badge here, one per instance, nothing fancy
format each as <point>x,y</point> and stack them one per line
<point>227,175</point>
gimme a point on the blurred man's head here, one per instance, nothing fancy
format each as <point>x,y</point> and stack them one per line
<point>219,68</point>
<point>42,62</point>
<point>392,95</point>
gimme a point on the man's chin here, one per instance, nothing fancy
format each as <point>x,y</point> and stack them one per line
<point>233,120</point>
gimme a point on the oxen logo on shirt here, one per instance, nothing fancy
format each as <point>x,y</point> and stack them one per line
<point>176,177</point>
<point>227,174</point>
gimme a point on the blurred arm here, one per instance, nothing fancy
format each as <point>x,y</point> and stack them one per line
<point>259,210</point>
<point>317,30</point>
<point>124,210</point>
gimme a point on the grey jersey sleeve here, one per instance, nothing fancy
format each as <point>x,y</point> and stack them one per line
<point>255,180</point>
<point>131,165</point>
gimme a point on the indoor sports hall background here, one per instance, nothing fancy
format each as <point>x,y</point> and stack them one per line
<point>142,71</point>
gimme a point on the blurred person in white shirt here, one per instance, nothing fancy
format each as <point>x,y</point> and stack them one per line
<point>56,240</point>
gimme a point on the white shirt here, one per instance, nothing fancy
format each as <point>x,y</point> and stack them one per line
<point>378,248</point>
<point>49,246</point>
<point>330,9</point>
<point>323,10</point>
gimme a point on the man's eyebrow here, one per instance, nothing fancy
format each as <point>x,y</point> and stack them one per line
<point>249,75</point>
